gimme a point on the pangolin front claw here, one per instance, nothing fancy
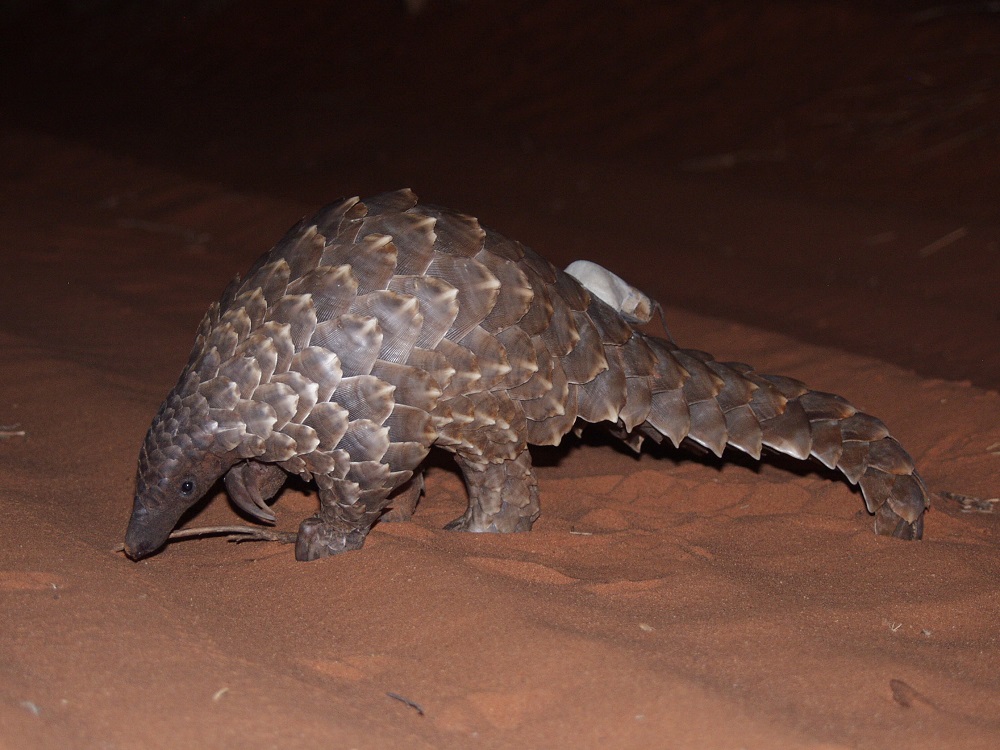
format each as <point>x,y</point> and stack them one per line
<point>251,484</point>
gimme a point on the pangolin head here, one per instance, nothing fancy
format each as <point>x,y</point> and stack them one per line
<point>178,463</point>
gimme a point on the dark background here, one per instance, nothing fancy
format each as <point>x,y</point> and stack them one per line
<point>688,140</point>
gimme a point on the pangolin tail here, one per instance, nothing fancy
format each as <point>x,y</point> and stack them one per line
<point>717,404</point>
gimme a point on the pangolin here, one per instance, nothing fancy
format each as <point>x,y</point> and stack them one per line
<point>378,329</point>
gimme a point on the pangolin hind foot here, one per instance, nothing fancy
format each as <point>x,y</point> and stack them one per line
<point>378,329</point>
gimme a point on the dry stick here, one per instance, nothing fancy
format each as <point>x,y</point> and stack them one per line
<point>412,704</point>
<point>10,430</point>
<point>952,143</point>
<point>191,236</point>
<point>236,534</point>
<point>939,244</point>
<point>948,9</point>
<point>970,504</point>
<point>731,159</point>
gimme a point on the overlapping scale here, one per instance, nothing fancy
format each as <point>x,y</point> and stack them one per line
<point>333,289</point>
<point>372,261</point>
<point>477,290</point>
<point>298,313</point>
<point>517,295</point>
<point>457,234</point>
<point>399,320</point>
<point>438,306</point>
<point>356,340</point>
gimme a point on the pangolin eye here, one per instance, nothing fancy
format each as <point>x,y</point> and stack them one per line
<point>187,487</point>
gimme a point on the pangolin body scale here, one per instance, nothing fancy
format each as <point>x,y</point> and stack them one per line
<point>378,329</point>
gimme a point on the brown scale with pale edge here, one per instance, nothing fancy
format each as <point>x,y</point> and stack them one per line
<point>376,330</point>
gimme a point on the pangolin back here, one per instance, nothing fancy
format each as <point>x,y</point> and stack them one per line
<point>375,330</point>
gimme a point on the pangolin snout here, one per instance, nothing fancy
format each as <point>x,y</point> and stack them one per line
<point>146,533</point>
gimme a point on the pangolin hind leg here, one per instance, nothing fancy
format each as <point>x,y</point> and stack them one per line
<point>503,497</point>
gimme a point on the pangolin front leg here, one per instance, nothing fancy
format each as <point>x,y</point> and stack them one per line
<point>251,484</point>
<point>344,519</point>
<point>342,522</point>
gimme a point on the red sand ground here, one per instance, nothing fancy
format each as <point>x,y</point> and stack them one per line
<point>821,181</point>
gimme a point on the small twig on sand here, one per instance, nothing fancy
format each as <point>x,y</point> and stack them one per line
<point>951,9</point>
<point>952,143</point>
<point>406,701</point>
<point>8,431</point>
<point>732,159</point>
<point>235,534</point>
<point>949,239</point>
<point>415,7</point>
<point>190,236</point>
<point>972,504</point>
